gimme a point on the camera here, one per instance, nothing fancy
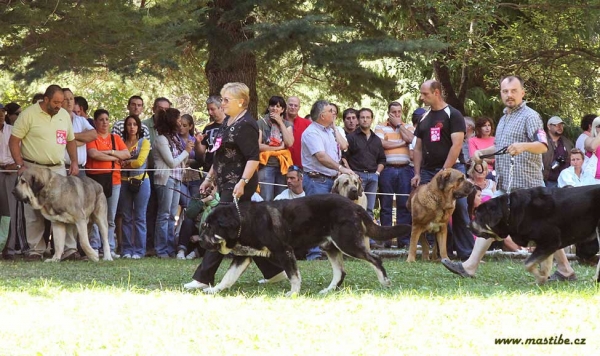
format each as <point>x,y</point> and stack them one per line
<point>557,162</point>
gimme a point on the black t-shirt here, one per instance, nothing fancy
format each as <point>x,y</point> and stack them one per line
<point>210,132</point>
<point>238,144</point>
<point>435,130</point>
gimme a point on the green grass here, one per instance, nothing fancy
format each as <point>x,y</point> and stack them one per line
<point>139,307</point>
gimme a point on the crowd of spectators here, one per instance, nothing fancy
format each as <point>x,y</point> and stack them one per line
<point>153,169</point>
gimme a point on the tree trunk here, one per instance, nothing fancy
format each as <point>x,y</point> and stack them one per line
<point>442,74</point>
<point>224,64</point>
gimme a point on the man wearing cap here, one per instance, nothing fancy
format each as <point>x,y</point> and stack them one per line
<point>395,177</point>
<point>557,157</point>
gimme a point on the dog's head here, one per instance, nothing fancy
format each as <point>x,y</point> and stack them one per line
<point>348,186</point>
<point>453,182</point>
<point>219,232</point>
<point>29,185</point>
<point>489,221</point>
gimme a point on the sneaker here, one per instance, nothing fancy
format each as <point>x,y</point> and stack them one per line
<point>33,257</point>
<point>127,256</point>
<point>71,256</point>
<point>195,285</point>
<point>191,255</point>
<point>136,257</point>
<point>181,255</point>
<point>114,255</point>
<point>281,276</point>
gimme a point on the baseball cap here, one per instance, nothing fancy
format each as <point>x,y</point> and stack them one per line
<point>555,120</point>
<point>419,111</point>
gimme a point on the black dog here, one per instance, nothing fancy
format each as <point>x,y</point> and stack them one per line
<point>552,218</point>
<point>275,228</point>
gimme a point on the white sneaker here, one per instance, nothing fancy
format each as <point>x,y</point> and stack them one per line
<point>127,256</point>
<point>114,255</point>
<point>191,255</point>
<point>281,276</point>
<point>135,257</point>
<point>195,285</point>
<point>181,255</point>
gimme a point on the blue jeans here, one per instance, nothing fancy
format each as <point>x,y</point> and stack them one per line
<point>133,209</point>
<point>112,203</point>
<point>396,180</point>
<point>168,202</point>
<point>462,238</point>
<point>314,186</point>
<point>272,175</point>
<point>369,185</point>
<point>190,188</point>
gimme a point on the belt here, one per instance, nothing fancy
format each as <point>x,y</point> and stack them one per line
<point>365,171</point>
<point>3,167</point>
<point>318,175</point>
<point>42,164</point>
<point>397,165</point>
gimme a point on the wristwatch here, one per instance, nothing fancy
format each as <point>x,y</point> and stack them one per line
<point>246,180</point>
<point>18,166</point>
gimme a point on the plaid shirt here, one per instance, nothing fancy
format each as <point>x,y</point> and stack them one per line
<point>522,124</point>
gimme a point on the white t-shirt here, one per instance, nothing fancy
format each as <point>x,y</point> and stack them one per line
<point>288,194</point>
<point>80,124</point>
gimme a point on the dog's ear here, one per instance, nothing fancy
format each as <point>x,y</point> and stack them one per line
<point>335,189</point>
<point>443,178</point>
<point>35,184</point>
<point>360,187</point>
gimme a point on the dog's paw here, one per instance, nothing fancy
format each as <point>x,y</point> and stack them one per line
<point>107,258</point>
<point>411,259</point>
<point>211,290</point>
<point>386,283</point>
<point>326,290</point>
<point>291,294</point>
<point>53,259</point>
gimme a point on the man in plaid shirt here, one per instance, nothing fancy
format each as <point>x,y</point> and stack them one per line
<point>521,130</point>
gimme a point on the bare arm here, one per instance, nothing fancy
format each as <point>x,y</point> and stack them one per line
<point>328,162</point>
<point>592,143</point>
<point>531,147</point>
<point>341,140</point>
<point>72,151</point>
<point>86,136</point>
<point>457,141</point>
<point>417,159</point>
<point>93,153</point>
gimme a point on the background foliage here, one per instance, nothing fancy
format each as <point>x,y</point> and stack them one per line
<point>355,53</point>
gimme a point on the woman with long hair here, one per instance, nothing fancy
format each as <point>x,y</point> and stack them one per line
<point>135,190</point>
<point>484,138</point>
<point>169,155</point>
<point>274,137</point>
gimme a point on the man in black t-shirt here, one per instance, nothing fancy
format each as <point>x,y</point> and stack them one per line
<point>217,116</point>
<point>440,135</point>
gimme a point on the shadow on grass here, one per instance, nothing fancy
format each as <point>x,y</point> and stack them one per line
<point>495,277</point>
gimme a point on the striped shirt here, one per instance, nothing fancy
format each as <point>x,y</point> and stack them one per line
<point>522,124</point>
<point>398,155</point>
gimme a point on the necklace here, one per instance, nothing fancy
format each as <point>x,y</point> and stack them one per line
<point>236,118</point>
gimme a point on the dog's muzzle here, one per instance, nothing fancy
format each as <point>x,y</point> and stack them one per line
<point>485,232</point>
<point>353,194</point>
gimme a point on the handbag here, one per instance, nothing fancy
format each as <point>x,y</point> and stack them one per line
<point>135,184</point>
<point>105,179</point>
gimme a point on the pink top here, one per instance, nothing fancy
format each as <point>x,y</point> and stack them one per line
<point>476,144</point>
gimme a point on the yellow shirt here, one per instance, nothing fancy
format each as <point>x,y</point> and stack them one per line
<point>44,137</point>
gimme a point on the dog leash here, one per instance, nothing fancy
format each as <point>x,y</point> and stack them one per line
<point>235,201</point>
<point>478,167</point>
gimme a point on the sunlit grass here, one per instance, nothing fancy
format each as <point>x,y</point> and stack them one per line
<point>139,307</point>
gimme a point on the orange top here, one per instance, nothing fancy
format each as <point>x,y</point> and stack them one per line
<point>105,144</point>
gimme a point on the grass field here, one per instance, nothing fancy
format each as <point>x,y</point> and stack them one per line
<point>139,308</point>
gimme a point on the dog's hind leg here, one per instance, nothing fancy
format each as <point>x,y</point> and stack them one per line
<point>238,266</point>
<point>337,264</point>
<point>84,240</point>
<point>59,234</point>
<point>440,238</point>
<point>543,258</point>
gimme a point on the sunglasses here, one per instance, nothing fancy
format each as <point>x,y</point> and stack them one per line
<point>294,168</point>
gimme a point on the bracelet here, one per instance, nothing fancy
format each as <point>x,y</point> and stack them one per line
<point>209,178</point>
<point>377,173</point>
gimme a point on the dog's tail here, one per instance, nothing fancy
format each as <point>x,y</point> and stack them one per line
<point>382,233</point>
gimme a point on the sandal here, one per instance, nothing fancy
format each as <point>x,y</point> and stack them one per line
<point>559,277</point>
<point>456,268</point>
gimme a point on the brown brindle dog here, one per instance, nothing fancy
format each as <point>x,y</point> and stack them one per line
<point>431,206</point>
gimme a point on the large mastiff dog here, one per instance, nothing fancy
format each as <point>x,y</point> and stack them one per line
<point>552,218</point>
<point>69,202</point>
<point>274,229</point>
<point>350,186</point>
<point>431,206</point>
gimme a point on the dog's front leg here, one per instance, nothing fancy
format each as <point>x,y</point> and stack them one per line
<point>414,239</point>
<point>238,266</point>
<point>59,233</point>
